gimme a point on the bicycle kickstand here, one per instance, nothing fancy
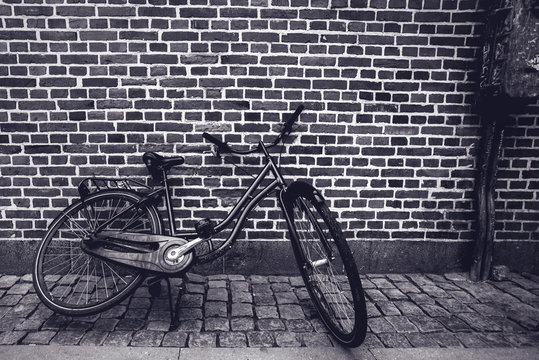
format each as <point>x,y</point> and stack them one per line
<point>174,311</point>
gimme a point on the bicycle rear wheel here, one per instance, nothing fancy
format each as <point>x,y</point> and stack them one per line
<point>72,282</point>
<point>326,265</point>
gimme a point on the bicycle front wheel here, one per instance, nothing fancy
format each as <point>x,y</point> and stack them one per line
<point>326,265</point>
<point>72,282</point>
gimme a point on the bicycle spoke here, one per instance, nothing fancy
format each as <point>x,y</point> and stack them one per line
<point>87,281</point>
<point>79,271</point>
<point>104,279</point>
<point>323,276</point>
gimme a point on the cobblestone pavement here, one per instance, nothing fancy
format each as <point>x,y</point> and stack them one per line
<point>231,311</point>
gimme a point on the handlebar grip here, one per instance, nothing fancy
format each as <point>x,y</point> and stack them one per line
<point>293,118</point>
<point>212,139</point>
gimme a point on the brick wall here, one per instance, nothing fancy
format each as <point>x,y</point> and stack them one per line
<point>388,131</point>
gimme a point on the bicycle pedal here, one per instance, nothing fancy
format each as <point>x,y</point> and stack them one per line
<point>205,228</point>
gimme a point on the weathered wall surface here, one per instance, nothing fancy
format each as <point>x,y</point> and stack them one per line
<point>388,132</point>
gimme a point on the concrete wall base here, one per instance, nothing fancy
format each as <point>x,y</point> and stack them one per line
<point>276,257</point>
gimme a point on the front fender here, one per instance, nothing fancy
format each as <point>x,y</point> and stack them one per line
<point>300,188</point>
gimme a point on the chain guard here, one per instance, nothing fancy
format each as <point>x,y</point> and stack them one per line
<point>153,261</point>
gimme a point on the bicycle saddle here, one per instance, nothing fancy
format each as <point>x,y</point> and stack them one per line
<point>156,163</point>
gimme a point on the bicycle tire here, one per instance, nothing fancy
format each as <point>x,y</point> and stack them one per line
<point>67,279</point>
<point>331,277</point>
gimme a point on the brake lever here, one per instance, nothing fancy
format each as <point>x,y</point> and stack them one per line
<point>214,150</point>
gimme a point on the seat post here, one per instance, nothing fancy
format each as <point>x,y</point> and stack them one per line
<point>170,209</point>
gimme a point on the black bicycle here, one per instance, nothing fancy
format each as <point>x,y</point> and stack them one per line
<point>100,248</point>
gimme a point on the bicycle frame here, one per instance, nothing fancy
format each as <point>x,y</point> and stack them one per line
<point>151,260</point>
<point>241,209</point>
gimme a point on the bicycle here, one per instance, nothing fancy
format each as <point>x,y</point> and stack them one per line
<point>101,247</point>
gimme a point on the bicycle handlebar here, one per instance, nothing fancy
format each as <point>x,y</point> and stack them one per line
<point>292,119</point>
<point>212,139</point>
<point>222,147</point>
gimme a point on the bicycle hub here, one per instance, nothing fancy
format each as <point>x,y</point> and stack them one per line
<point>173,255</point>
<point>172,258</point>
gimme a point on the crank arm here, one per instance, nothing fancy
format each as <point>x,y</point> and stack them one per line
<point>185,249</point>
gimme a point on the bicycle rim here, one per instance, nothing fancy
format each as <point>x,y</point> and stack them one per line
<point>324,270</point>
<point>71,281</point>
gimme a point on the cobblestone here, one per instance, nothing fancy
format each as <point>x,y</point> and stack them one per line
<point>242,324</point>
<point>190,314</point>
<point>241,309</point>
<point>401,324</point>
<point>215,308</point>
<point>270,324</point>
<point>479,323</point>
<point>375,295</point>
<point>433,310</point>
<point>287,339</point>
<point>387,308</point>
<point>454,324</point>
<point>408,308</point>
<point>192,288</point>
<point>9,323</point>
<point>266,312</point>
<point>94,337</point>
<point>20,289</point>
<point>315,340</point>
<point>263,299</point>
<point>7,281</point>
<point>380,325</point>
<point>147,338</point>
<point>39,337</point>
<point>29,325</point>
<point>130,324</point>
<point>242,297</point>
<point>426,324</point>
<point>291,312</point>
<point>421,299</point>
<point>471,340</point>
<point>114,312</point>
<point>405,310</point>
<point>105,324</point>
<point>446,339</point>
<point>175,339</point>
<point>242,286</point>
<point>56,322</point>
<point>260,339</point>
<point>421,340</point>
<point>232,340</point>
<point>66,337</point>
<point>216,324</point>
<point>298,325</point>
<point>202,340</point>
<point>11,337</point>
<point>190,325</point>
<point>286,298</point>
<point>23,310</point>
<point>453,306</point>
<point>395,340</point>
<point>217,294</point>
<point>77,325</point>
<point>159,325</point>
<point>192,300</point>
<point>10,300</point>
<point>118,338</point>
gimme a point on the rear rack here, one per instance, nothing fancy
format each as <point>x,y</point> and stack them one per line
<point>91,185</point>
